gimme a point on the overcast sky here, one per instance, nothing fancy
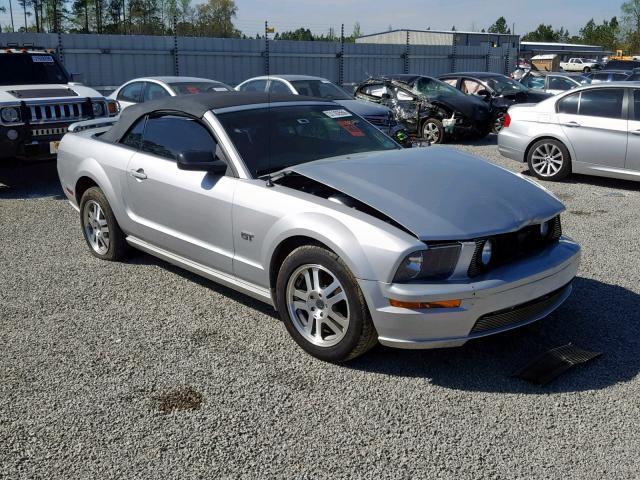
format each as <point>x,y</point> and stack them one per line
<point>377,15</point>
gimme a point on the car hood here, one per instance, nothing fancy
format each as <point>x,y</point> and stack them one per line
<point>364,109</point>
<point>437,193</point>
<point>17,93</point>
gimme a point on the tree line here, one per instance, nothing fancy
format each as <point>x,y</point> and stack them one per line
<point>215,18</point>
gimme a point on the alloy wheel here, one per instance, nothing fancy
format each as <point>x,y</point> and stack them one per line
<point>431,132</point>
<point>547,160</point>
<point>96,227</point>
<point>317,304</point>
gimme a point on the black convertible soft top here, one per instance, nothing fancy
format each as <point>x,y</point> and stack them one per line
<point>196,106</point>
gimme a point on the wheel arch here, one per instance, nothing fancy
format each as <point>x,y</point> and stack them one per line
<point>83,184</point>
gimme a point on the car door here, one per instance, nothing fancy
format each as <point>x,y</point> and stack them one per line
<point>595,124</point>
<point>633,147</point>
<point>130,94</point>
<point>187,213</point>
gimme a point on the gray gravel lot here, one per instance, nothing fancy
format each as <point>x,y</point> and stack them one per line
<point>92,352</point>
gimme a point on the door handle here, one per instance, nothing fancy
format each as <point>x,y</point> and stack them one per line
<point>635,132</point>
<point>139,174</point>
<point>571,124</point>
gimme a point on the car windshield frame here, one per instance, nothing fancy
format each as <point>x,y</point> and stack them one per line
<point>499,84</point>
<point>314,82</point>
<point>298,133</point>
<point>198,84</point>
<point>40,69</point>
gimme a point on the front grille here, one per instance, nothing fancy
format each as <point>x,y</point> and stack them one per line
<point>519,313</point>
<point>56,112</point>
<point>513,246</point>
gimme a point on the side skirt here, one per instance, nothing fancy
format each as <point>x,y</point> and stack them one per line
<point>255,291</point>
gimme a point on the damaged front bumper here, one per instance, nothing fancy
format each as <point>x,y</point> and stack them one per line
<point>506,298</point>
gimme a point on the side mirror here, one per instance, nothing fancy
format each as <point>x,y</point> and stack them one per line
<point>483,93</point>
<point>201,161</point>
<point>77,77</point>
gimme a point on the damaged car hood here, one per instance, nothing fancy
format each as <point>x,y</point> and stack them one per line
<point>437,193</point>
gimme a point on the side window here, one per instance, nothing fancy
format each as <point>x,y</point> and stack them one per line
<point>471,86</point>
<point>169,135</point>
<point>569,104</point>
<point>131,93</point>
<point>133,138</point>
<point>601,77</point>
<point>277,86</point>
<point>619,77</point>
<point>254,86</point>
<point>559,83</point>
<point>451,81</point>
<point>636,105</point>
<point>374,90</point>
<point>153,91</point>
<point>605,102</point>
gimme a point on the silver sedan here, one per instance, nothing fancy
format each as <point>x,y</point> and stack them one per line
<point>593,130</point>
<point>302,204</point>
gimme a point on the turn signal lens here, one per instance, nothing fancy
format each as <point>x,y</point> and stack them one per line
<point>423,305</point>
<point>113,108</point>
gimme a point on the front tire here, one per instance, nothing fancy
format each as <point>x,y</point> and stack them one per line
<point>433,131</point>
<point>549,159</point>
<point>100,229</point>
<point>322,306</point>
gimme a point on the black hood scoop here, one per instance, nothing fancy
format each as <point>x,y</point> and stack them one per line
<point>43,93</point>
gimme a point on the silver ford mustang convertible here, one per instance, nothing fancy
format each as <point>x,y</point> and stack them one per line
<point>306,206</point>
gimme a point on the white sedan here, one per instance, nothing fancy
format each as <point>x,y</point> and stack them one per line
<point>144,89</point>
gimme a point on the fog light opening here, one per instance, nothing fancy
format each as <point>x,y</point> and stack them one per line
<point>12,134</point>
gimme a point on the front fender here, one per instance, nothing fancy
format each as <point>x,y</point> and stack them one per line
<point>371,253</point>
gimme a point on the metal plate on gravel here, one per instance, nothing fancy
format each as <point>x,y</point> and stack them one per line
<point>553,363</point>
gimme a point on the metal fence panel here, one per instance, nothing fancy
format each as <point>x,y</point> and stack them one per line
<point>113,59</point>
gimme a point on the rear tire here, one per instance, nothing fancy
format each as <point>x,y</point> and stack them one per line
<point>548,159</point>
<point>586,69</point>
<point>100,229</point>
<point>433,131</point>
<point>322,306</point>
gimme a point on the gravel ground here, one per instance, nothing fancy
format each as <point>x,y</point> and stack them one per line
<point>140,370</point>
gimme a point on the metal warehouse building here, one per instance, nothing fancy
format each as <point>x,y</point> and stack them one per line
<point>563,50</point>
<point>441,37</point>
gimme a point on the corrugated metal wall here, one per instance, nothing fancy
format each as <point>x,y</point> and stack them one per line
<point>113,59</point>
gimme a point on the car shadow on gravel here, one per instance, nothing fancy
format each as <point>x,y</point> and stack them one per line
<point>140,258</point>
<point>603,182</point>
<point>597,316</point>
<point>35,180</point>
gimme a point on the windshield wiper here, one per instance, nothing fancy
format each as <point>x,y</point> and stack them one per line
<point>269,178</point>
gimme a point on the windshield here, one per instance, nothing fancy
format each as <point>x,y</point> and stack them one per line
<point>321,89</point>
<point>191,88</point>
<point>270,139</point>
<point>505,86</point>
<point>431,87</point>
<point>28,69</point>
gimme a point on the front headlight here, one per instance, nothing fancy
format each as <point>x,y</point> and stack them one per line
<point>438,262</point>
<point>98,110</point>
<point>10,115</point>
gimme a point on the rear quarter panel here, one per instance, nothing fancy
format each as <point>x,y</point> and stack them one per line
<point>81,155</point>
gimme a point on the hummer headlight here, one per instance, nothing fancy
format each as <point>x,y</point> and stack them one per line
<point>10,115</point>
<point>97,109</point>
